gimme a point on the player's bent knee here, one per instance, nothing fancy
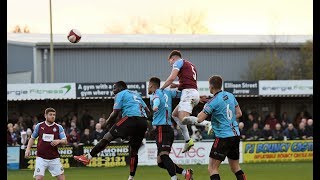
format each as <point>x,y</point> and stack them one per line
<point>163,153</point>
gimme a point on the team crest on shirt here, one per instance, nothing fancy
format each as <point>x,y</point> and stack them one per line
<point>54,129</point>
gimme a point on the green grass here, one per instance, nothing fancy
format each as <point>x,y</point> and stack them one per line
<point>260,171</point>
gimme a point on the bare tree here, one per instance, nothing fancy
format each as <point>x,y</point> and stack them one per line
<point>16,29</point>
<point>271,64</point>
<point>303,66</point>
<point>19,29</point>
<point>26,29</point>
<point>195,22</point>
<point>140,26</point>
<point>171,25</point>
<point>192,22</point>
<point>268,65</point>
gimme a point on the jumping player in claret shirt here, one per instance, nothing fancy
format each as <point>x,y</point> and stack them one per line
<point>187,74</point>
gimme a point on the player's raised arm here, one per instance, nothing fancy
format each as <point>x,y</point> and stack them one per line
<point>171,78</point>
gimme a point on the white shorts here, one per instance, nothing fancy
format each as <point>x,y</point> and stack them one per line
<point>189,99</point>
<point>54,166</point>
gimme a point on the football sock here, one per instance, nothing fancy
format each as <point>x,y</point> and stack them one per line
<point>133,165</point>
<point>215,177</point>
<point>161,165</point>
<point>168,164</point>
<point>240,175</point>
<point>179,170</point>
<point>99,147</point>
<point>184,128</point>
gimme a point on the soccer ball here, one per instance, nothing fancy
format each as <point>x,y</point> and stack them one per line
<point>74,36</point>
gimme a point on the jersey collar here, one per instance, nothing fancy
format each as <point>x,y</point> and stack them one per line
<point>217,93</point>
<point>49,124</point>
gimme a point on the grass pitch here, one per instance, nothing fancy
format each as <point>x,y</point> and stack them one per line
<point>259,171</point>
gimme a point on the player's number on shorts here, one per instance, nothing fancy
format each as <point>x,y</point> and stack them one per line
<point>194,73</point>
<point>229,112</point>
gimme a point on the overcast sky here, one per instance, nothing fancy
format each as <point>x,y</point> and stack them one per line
<point>283,17</point>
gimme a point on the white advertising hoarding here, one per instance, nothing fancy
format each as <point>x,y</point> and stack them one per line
<point>41,91</point>
<point>285,87</point>
<point>198,154</point>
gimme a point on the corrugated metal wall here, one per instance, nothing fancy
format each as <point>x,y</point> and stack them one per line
<point>99,65</point>
<point>19,58</point>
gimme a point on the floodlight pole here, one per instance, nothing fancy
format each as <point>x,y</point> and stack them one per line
<point>51,48</point>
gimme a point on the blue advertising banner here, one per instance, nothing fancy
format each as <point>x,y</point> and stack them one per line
<point>13,157</point>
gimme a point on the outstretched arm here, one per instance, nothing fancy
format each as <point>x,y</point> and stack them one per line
<point>171,78</point>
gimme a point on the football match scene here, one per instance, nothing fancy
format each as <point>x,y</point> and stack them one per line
<point>160,90</point>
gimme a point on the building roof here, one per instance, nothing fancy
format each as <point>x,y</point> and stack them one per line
<point>158,41</point>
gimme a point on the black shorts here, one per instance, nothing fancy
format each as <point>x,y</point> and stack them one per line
<point>164,138</point>
<point>223,147</point>
<point>133,128</point>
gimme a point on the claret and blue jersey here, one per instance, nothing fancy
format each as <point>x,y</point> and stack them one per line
<point>222,108</point>
<point>187,74</point>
